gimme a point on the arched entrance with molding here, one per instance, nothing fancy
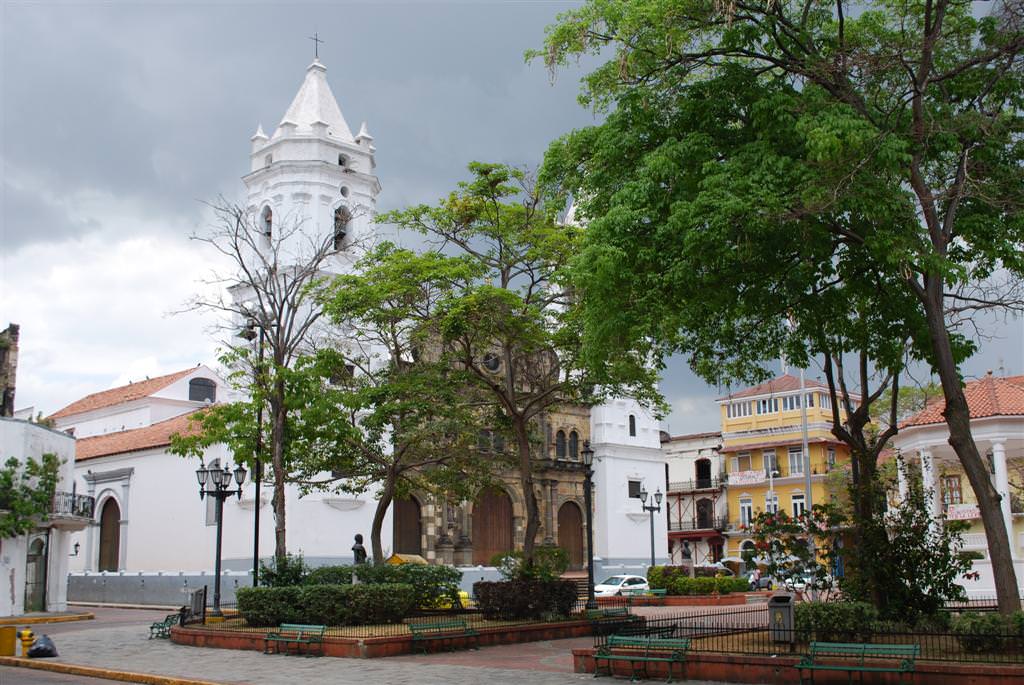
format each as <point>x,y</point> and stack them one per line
<point>110,536</point>
<point>492,525</point>
<point>570,533</point>
<point>407,528</point>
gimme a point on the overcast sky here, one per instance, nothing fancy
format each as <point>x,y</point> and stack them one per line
<point>120,119</point>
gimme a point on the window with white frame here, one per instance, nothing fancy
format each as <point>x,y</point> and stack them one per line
<point>735,410</point>
<point>810,399</point>
<point>771,464</point>
<point>768,405</point>
<point>790,402</point>
<point>799,505</point>
<point>830,455</point>
<point>796,460</point>
<point>826,401</point>
<point>771,503</point>
<point>746,511</point>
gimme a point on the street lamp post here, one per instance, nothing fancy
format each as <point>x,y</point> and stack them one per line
<point>249,333</point>
<point>652,508</point>
<point>588,474</point>
<point>216,482</point>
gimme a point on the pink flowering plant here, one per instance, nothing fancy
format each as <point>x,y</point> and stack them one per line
<point>798,551</point>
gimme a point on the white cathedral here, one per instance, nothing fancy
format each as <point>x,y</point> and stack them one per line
<point>152,538</point>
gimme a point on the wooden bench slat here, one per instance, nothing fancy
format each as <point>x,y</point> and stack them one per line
<point>295,633</point>
<point>856,655</point>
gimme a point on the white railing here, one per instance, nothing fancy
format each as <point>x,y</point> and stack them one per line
<point>975,541</point>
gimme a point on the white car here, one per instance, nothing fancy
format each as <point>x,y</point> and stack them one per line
<point>614,585</point>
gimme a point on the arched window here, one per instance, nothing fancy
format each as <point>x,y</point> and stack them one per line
<point>632,426</point>
<point>574,446</point>
<point>268,160</point>
<point>342,217</point>
<point>560,445</point>
<point>267,220</point>
<point>342,160</point>
<point>202,390</point>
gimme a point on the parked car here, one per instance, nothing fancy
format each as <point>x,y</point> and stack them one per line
<point>763,583</point>
<point>614,585</point>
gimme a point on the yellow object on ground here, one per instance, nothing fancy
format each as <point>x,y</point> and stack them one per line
<point>27,637</point>
<point>8,640</point>
<point>405,559</point>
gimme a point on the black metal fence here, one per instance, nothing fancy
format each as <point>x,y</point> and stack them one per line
<point>73,504</point>
<point>748,631</point>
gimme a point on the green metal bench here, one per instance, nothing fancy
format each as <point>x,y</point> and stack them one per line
<point>639,651</point>
<point>163,628</point>
<point>424,632</point>
<point>297,634</point>
<point>612,620</point>
<point>853,658</point>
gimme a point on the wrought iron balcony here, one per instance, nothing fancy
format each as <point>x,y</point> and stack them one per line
<point>698,524</point>
<point>72,505</point>
<point>696,484</point>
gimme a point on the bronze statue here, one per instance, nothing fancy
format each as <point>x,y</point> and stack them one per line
<point>358,551</point>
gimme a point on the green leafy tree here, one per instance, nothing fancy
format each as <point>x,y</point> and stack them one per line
<point>415,412</point>
<point>767,160</point>
<point>781,541</point>
<point>26,493</point>
<point>511,328</point>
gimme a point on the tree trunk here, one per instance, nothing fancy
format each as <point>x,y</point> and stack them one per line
<point>386,496</point>
<point>957,415</point>
<point>521,431</point>
<point>277,438</point>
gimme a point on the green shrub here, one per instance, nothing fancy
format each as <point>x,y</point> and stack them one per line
<point>331,605</point>
<point>515,599</point>
<point>549,563</point>
<point>835,621</point>
<point>286,571</point>
<point>432,584</point>
<point>677,581</point>
<point>380,603</point>
<point>269,606</point>
<point>329,575</point>
<point>992,632</point>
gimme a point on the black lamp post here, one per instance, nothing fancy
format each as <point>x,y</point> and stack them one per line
<point>653,508</point>
<point>588,474</point>
<point>216,482</point>
<point>249,333</point>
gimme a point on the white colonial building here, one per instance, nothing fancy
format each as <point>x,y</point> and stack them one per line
<point>34,566</point>
<point>996,407</point>
<point>698,509</point>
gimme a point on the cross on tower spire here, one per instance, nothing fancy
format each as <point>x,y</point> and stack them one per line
<point>316,45</point>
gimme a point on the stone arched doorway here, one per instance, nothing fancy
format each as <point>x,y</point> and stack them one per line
<point>570,533</point>
<point>110,536</point>
<point>492,525</point>
<point>407,530</point>
<point>35,573</point>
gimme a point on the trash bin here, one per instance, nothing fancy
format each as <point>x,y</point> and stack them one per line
<point>8,640</point>
<point>780,617</point>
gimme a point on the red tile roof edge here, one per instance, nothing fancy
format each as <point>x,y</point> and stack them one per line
<point>121,394</point>
<point>133,440</point>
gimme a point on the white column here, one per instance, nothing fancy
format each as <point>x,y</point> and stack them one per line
<point>929,475</point>
<point>901,478</point>
<point>1002,485</point>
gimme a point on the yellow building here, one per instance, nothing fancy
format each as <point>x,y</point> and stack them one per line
<point>762,447</point>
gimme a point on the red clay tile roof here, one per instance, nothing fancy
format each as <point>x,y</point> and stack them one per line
<point>784,383</point>
<point>990,396</point>
<point>126,393</point>
<point>156,435</point>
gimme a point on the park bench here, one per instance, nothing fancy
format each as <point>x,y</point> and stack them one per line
<point>295,634</point>
<point>854,658</point>
<point>424,632</point>
<point>612,620</point>
<point>656,592</point>
<point>163,628</point>
<point>640,650</point>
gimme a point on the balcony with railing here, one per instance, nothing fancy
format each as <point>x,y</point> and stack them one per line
<point>72,511</point>
<point>696,485</point>
<point>700,523</point>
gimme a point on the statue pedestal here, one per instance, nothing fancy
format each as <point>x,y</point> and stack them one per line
<point>445,551</point>
<point>463,555</point>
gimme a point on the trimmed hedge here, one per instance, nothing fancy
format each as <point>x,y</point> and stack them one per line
<point>515,599</point>
<point>331,605</point>
<point>989,632</point>
<point>432,585</point>
<point>835,621</point>
<point>329,575</point>
<point>676,580</point>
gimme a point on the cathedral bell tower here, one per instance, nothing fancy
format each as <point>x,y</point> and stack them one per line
<point>312,171</point>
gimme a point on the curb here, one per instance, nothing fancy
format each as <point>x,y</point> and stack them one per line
<point>109,605</point>
<point>92,672</point>
<point>31,620</point>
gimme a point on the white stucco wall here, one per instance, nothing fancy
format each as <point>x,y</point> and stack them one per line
<point>22,440</point>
